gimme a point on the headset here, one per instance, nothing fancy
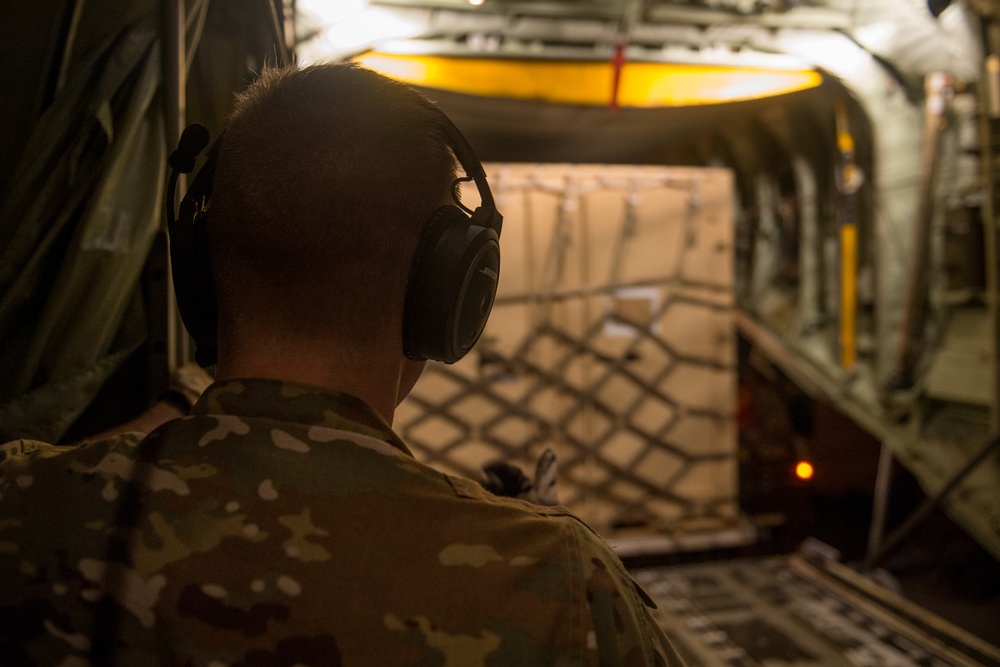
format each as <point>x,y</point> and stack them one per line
<point>453,278</point>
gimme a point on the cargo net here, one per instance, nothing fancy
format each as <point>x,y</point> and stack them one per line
<point>611,342</point>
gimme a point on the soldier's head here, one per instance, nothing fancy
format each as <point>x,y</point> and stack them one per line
<point>326,177</point>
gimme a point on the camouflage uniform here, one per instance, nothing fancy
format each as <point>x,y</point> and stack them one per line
<point>282,525</point>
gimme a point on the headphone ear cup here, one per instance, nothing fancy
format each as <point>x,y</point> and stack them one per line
<point>190,260</point>
<point>452,286</point>
<point>192,278</point>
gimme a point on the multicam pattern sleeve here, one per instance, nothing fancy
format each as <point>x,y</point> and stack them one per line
<point>624,631</point>
<point>281,525</point>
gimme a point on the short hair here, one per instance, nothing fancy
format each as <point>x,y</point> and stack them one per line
<point>326,177</point>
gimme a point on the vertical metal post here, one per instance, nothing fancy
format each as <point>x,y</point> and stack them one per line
<point>849,180</point>
<point>911,331</point>
<point>175,111</point>
<point>278,32</point>
<point>880,501</point>
<point>989,114</point>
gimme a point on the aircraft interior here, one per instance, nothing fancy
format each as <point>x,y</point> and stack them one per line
<point>750,300</point>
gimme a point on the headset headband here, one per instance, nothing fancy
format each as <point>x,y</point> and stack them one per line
<point>486,215</point>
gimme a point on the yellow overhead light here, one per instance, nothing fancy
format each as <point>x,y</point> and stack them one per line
<point>641,84</point>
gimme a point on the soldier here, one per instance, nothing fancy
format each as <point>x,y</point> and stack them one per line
<point>283,522</point>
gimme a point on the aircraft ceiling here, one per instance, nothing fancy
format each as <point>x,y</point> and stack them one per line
<point>912,37</point>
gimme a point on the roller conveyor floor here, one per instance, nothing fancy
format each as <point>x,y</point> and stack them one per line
<point>801,609</point>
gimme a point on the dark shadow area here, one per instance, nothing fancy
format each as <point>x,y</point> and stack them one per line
<point>938,566</point>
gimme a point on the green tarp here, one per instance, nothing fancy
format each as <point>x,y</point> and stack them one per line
<point>78,222</point>
<point>84,201</point>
